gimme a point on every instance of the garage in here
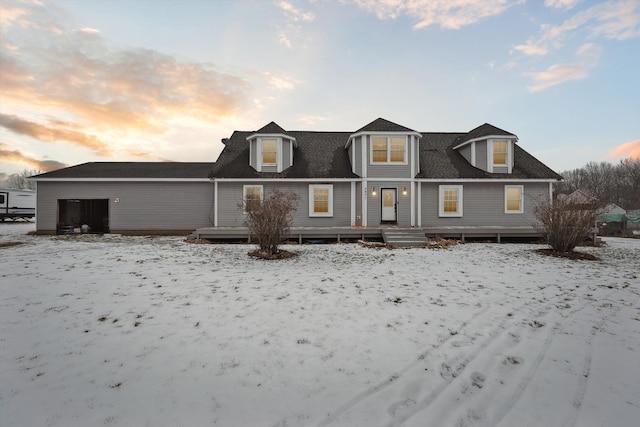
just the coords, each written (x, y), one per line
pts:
(83, 215)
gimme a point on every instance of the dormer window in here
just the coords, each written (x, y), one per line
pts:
(500, 153)
(388, 149)
(269, 151)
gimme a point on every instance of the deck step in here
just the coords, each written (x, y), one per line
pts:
(403, 237)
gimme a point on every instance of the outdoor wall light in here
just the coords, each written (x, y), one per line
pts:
(404, 191)
(373, 191)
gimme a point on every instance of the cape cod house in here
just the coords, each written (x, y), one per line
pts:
(477, 183)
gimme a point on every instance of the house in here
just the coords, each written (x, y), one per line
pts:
(477, 183)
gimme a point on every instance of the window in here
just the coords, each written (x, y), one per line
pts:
(450, 200)
(379, 149)
(252, 196)
(513, 199)
(269, 151)
(500, 152)
(2, 199)
(391, 149)
(321, 200)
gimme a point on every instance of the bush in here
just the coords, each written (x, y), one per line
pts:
(564, 224)
(269, 220)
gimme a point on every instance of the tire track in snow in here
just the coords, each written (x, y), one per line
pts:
(332, 417)
(408, 406)
(583, 380)
(531, 372)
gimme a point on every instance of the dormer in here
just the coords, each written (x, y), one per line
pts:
(384, 149)
(488, 148)
(271, 149)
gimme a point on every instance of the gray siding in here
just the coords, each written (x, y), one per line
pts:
(466, 152)
(501, 169)
(357, 158)
(388, 170)
(286, 153)
(481, 155)
(359, 203)
(483, 204)
(416, 159)
(374, 204)
(230, 203)
(141, 206)
(253, 153)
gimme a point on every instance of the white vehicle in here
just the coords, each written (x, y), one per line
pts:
(17, 204)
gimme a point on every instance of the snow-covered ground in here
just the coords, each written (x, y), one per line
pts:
(152, 331)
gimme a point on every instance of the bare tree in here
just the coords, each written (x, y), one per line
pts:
(19, 180)
(564, 223)
(269, 220)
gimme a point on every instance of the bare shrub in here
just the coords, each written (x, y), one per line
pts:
(269, 220)
(564, 224)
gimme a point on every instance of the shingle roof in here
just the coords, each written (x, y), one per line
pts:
(323, 155)
(272, 128)
(482, 131)
(438, 160)
(132, 170)
(318, 155)
(383, 125)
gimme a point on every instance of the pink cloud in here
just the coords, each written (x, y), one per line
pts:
(629, 149)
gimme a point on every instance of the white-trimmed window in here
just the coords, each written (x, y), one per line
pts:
(388, 149)
(513, 199)
(320, 200)
(269, 151)
(500, 153)
(251, 196)
(450, 200)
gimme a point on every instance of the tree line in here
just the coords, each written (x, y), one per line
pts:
(619, 184)
(19, 180)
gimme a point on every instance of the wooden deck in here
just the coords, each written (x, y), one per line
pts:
(302, 234)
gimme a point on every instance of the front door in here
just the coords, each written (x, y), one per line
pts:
(389, 213)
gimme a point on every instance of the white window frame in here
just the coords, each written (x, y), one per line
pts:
(312, 188)
(490, 151)
(506, 201)
(244, 195)
(277, 152)
(441, 191)
(389, 162)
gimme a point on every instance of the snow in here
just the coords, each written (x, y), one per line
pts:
(153, 331)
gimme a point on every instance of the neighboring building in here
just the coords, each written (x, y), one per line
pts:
(475, 183)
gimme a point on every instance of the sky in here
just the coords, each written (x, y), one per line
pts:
(166, 80)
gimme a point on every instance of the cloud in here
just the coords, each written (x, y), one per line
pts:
(588, 54)
(293, 28)
(561, 4)
(295, 13)
(15, 156)
(445, 13)
(79, 89)
(280, 82)
(615, 20)
(311, 120)
(629, 149)
(556, 74)
(60, 131)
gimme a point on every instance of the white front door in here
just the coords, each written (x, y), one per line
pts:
(389, 204)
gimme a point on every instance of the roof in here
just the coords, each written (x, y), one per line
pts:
(482, 131)
(323, 155)
(271, 128)
(318, 155)
(383, 125)
(439, 160)
(134, 170)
